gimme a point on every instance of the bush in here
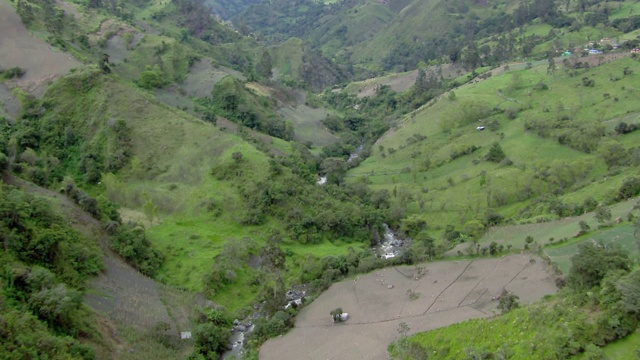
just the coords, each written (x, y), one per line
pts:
(210, 340)
(132, 244)
(629, 188)
(495, 153)
(511, 112)
(14, 72)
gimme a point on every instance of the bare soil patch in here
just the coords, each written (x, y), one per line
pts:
(447, 293)
(9, 104)
(42, 62)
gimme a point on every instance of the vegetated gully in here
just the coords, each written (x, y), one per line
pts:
(390, 246)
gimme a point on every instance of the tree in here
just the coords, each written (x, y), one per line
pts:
(56, 304)
(210, 339)
(422, 247)
(495, 153)
(151, 78)
(630, 187)
(335, 169)
(551, 69)
(592, 263)
(584, 227)
(613, 153)
(273, 261)
(237, 156)
(149, 208)
(104, 63)
(420, 85)
(265, 65)
(603, 214)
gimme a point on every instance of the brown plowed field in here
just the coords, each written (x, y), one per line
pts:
(447, 293)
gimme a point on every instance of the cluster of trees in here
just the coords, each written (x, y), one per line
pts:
(44, 265)
(44, 146)
(130, 241)
(309, 212)
(232, 100)
(41, 10)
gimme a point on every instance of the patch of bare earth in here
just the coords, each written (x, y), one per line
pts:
(9, 104)
(42, 62)
(441, 294)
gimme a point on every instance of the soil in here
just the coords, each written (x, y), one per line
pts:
(446, 293)
(18, 47)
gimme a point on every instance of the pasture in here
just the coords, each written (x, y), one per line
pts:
(445, 178)
(619, 236)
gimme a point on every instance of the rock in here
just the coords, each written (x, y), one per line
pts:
(389, 286)
(240, 328)
(236, 322)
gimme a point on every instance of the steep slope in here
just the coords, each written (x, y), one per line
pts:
(41, 61)
(557, 134)
(129, 301)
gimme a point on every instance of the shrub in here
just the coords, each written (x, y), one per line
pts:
(511, 112)
(588, 82)
(629, 188)
(14, 72)
(495, 154)
(132, 244)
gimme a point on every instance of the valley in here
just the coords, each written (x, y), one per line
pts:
(172, 171)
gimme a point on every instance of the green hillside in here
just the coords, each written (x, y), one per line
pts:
(556, 135)
(166, 172)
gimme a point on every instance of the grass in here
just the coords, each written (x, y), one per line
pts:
(521, 333)
(619, 236)
(191, 245)
(625, 348)
(451, 190)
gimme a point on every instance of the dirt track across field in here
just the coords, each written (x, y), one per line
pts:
(446, 293)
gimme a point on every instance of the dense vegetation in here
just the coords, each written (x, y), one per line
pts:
(45, 268)
(398, 35)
